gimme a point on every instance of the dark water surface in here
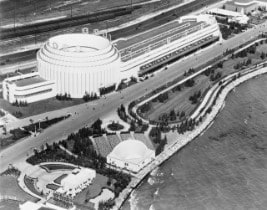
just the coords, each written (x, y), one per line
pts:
(225, 168)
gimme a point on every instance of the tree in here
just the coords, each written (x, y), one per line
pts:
(248, 62)
(172, 115)
(263, 56)
(182, 114)
(97, 125)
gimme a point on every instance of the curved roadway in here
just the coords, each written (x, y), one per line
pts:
(105, 106)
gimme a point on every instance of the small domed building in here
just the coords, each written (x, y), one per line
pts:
(131, 155)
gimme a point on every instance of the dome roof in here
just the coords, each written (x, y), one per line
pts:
(130, 151)
(78, 50)
(78, 42)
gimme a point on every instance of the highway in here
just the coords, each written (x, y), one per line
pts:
(88, 113)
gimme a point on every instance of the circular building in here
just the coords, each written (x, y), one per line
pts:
(79, 64)
(131, 155)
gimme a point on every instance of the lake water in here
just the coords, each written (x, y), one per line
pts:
(225, 168)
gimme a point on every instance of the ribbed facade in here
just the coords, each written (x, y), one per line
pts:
(79, 63)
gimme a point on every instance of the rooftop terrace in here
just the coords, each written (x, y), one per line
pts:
(155, 38)
(29, 81)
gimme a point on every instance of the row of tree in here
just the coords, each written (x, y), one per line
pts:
(89, 97)
(63, 97)
(20, 103)
(241, 64)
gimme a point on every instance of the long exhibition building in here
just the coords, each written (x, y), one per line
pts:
(88, 63)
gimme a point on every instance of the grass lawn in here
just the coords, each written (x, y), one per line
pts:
(52, 187)
(92, 190)
(52, 167)
(58, 180)
(30, 184)
(179, 100)
(10, 187)
(9, 205)
(39, 107)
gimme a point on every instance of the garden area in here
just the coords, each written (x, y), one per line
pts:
(178, 103)
(136, 124)
(85, 155)
(53, 167)
(229, 29)
(115, 126)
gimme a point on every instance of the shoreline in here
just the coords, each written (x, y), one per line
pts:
(175, 146)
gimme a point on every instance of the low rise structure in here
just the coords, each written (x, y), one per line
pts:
(75, 182)
(78, 64)
(245, 6)
(131, 155)
(230, 15)
(28, 88)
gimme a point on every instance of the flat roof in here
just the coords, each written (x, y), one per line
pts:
(29, 81)
(124, 43)
(153, 36)
(225, 12)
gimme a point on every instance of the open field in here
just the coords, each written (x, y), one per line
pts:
(179, 100)
(9, 205)
(39, 107)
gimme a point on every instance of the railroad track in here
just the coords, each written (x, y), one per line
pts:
(129, 31)
(52, 25)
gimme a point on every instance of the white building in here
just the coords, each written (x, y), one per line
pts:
(245, 6)
(76, 181)
(231, 15)
(141, 53)
(79, 63)
(131, 155)
(28, 88)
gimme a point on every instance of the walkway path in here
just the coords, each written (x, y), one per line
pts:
(172, 148)
(209, 93)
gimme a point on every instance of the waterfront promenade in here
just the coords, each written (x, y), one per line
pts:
(181, 140)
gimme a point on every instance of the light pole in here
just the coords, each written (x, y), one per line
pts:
(71, 11)
(15, 16)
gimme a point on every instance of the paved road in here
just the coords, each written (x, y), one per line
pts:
(104, 107)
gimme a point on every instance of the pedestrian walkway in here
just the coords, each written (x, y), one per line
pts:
(188, 136)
